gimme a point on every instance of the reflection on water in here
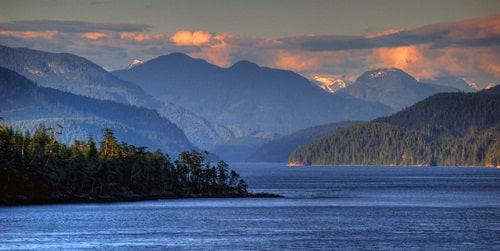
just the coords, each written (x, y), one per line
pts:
(324, 208)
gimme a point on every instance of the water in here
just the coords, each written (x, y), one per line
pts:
(325, 208)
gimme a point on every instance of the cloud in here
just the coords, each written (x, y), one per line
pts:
(295, 61)
(72, 26)
(191, 38)
(221, 58)
(108, 44)
(468, 48)
(383, 33)
(469, 33)
(473, 61)
(426, 61)
(483, 31)
(220, 49)
(94, 35)
(141, 36)
(400, 57)
(45, 34)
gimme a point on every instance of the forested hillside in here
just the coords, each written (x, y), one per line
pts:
(235, 142)
(36, 168)
(492, 90)
(451, 129)
(457, 113)
(71, 73)
(25, 105)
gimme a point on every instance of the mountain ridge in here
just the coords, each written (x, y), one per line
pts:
(246, 94)
(25, 103)
(392, 87)
(72, 73)
(447, 129)
(80, 79)
(233, 109)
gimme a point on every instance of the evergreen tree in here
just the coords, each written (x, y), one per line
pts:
(38, 168)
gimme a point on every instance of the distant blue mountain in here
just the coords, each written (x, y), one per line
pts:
(280, 148)
(246, 95)
(392, 87)
(74, 74)
(77, 75)
(25, 105)
(451, 81)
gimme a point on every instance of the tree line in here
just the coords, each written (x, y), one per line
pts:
(385, 144)
(446, 129)
(36, 168)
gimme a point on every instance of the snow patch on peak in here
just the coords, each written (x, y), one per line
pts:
(329, 83)
(380, 73)
(134, 63)
(33, 71)
(383, 74)
(376, 74)
(474, 85)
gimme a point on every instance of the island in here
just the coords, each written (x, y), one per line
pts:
(37, 169)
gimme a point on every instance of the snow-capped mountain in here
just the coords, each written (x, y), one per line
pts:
(392, 87)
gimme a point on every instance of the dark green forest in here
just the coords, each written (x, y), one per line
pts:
(36, 168)
(449, 129)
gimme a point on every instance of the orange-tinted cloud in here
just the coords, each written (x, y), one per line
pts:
(493, 69)
(467, 48)
(295, 61)
(418, 61)
(48, 34)
(140, 36)
(424, 61)
(218, 57)
(215, 48)
(191, 38)
(383, 33)
(467, 61)
(94, 35)
(400, 57)
(480, 28)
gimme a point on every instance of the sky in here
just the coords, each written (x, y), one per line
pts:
(316, 38)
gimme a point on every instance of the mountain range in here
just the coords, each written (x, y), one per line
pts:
(452, 81)
(245, 94)
(74, 74)
(229, 111)
(26, 105)
(332, 84)
(392, 87)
